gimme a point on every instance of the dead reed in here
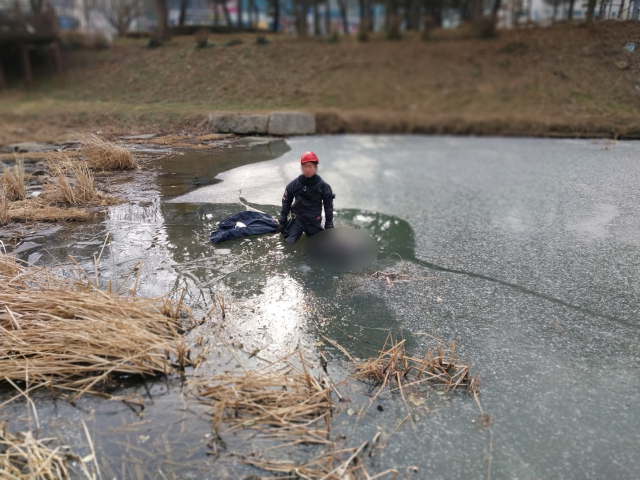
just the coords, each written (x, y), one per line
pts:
(71, 183)
(35, 210)
(437, 366)
(333, 464)
(12, 181)
(23, 456)
(285, 402)
(65, 333)
(104, 156)
(4, 207)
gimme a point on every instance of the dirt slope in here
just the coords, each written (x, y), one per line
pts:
(565, 80)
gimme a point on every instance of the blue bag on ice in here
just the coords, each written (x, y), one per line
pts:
(244, 224)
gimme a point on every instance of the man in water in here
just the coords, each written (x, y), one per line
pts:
(310, 192)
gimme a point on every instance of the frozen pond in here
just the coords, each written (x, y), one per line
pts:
(527, 249)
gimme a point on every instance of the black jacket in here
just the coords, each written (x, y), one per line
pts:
(309, 195)
(243, 224)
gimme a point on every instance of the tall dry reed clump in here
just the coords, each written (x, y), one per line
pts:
(12, 182)
(69, 184)
(72, 183)
(104, 156)
(65, 333)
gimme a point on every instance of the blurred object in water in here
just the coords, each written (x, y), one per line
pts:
(342, 249)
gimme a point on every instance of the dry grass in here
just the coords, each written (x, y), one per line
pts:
(72, 183)
(289, 400)
(66, 333)
(69, 184)
(282, 402)
(4, 207)
(35, 210)
(12, 181)
(24, 456)
(438, 366)
(9, 267)
(105, 156)
(334, 464)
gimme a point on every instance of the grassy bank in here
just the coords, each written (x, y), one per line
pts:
(566, 80)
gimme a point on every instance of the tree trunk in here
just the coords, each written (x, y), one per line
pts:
(464, 10)
(362, 7)
(240, 14)
(433, 9)
(36, 6)
(276, 15)
(602, 6)
(162, 27)
(327, 17)
(227, 15)
(301, 17)
(570, 12)
(591, 6)
(371, 12)
(495, 9)
(477, 10)
(316, 18)
(555, 11)
(183, 12)
(407, 14)
(621, 9)
(342, 5)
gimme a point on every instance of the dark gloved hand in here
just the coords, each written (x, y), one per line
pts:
(328, 225)
(282, 222)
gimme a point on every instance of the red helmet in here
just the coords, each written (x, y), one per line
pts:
(309, 157)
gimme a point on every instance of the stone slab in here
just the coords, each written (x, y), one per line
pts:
(27, 147)
(292, 123)
(147, 136)
(242, 124)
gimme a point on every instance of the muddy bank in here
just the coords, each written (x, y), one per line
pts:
(574, 126)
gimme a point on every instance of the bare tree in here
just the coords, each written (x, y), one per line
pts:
(342, 6)
(316, 18)
(621, 9)
(162, 26)
(225, 11)
(37, 6)
(300, 7)
(327, 18)
(183, 12)
(433, 9)
(495, 8)
(121, 13)
(570, 12)
(240, 14)
(275, 4)
(591, 6)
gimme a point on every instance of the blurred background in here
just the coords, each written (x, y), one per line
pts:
(130, 128)
(511, 67)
